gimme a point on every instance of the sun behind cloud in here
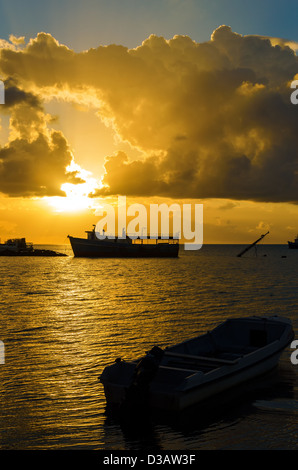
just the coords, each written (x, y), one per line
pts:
(208, 121)
(77, 195)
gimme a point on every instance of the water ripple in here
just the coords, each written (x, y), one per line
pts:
(64, 319)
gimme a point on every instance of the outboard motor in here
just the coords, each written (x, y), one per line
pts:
(145, 371)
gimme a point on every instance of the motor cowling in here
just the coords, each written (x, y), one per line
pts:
(144, 373)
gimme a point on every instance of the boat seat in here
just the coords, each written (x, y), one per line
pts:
(229, 355)
(237, 349)
(195, 366)
(205, 359)
(169, 376)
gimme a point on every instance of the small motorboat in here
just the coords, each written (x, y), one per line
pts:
(174, 378)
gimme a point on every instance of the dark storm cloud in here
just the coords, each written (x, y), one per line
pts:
(34, 168)
(15, 95)
(213, 119)
(34, 161)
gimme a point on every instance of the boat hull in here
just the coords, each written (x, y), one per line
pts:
(83, 248)
(177, 401)
(201, 393)
(175, 389)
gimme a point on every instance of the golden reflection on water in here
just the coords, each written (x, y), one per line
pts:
(64, 319)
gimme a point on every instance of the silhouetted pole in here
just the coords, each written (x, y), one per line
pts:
(253, 244)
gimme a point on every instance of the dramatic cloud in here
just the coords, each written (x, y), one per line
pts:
(17, 40)
(212, 120)
(35, 168)
(34, 162)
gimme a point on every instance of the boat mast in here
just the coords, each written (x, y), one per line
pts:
(253, 244)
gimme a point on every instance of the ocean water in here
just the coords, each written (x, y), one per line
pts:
(64, 319)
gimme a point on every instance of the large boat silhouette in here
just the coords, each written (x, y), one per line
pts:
(123, 247)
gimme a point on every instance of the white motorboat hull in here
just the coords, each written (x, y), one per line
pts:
(175, 387)
(205, 391)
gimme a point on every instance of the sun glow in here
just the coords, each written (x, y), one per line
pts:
(77, 195)
(76, 198)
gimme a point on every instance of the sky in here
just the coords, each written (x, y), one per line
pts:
(161, 101)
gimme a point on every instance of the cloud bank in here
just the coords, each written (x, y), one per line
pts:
(212, 119)
(34, 162)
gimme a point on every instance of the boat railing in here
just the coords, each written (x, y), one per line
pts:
(91, 235)
(156, 240)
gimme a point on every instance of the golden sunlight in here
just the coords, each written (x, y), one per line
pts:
(76, 198)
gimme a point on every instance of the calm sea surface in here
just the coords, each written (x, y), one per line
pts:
(64, 319)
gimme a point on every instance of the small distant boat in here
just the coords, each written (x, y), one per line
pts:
(188, 373)
(19, 247)
(294, 244)
(123, 247)
(15, 246)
